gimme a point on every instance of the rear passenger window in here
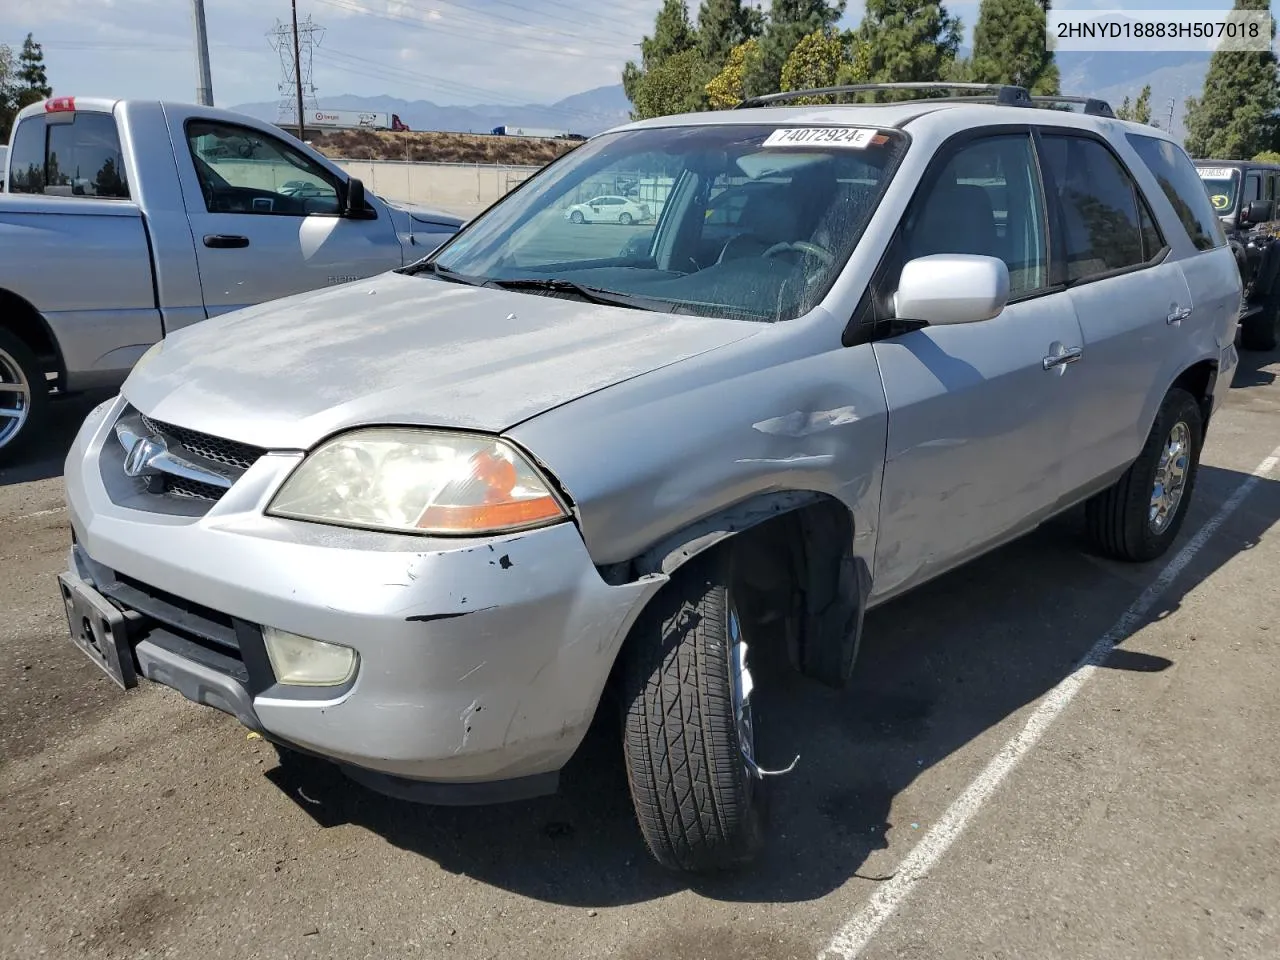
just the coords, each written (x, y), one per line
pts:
(73, 155)
(1102, 212)
(1182, 185)
(985, 201)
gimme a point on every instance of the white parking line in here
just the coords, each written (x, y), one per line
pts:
(852, 938)
(37, 513)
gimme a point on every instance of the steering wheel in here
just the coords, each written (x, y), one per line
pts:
(801, 246)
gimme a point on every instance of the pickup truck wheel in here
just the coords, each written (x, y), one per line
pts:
(24, 398)
(1261, 331)
(689, 742)
(1139, 516)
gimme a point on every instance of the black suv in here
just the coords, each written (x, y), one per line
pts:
(1244, 195)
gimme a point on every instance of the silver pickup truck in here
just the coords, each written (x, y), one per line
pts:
(125, 220)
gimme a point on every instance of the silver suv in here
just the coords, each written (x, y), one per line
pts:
(420, 524)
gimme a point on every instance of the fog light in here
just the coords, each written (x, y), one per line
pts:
(306, 662)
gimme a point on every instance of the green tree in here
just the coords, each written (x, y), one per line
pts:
(724, 25)
(815, 62)
(1009, 46)
(8, 92)
(789, 22)
(31, 72)
(907, 40)
(648, 83)
(727, 88)
(1234, 117)
(1140, 110)
(1267, 156)
(673, 86)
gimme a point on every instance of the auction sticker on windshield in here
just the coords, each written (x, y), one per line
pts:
(855, 137)
(1215, 173)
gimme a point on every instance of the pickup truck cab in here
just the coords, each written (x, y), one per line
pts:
(1244, 194)
(126, 220)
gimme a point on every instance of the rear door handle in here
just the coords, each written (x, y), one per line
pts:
(1178, 314)
(1068, 355)
(224, 241)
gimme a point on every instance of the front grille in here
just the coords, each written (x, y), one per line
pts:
(230, 453)
(191, 489)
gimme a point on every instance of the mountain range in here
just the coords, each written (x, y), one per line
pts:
(1111, 76)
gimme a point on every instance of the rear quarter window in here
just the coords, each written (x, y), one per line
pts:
(1182, 185)
(75, 155)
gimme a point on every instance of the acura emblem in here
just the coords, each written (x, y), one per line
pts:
(140, 459)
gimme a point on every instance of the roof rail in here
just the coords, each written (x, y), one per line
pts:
(1004, 93)
(1092, 106)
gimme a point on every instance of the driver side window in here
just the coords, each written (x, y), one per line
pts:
(986, 200)
(242, 170)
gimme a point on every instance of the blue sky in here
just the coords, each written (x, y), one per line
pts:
(447, 51)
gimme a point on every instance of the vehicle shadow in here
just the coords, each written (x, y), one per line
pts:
(46, 455)
(1250, 372)
(938, 669)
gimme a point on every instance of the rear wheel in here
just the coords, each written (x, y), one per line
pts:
(1138, 517)
(690, 740)
(625, 219)
(24, 396)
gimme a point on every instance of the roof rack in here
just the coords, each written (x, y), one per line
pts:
(1004, 93)
(998, 93)
(1092, 105)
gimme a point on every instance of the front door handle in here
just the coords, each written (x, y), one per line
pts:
(1178, 314)
(1068, 355)
(225, 241)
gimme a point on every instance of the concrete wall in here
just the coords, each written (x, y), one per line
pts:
(460, 188)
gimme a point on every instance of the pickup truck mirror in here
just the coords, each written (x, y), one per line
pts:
(1256, 211)
(354, 206)
(948, 288)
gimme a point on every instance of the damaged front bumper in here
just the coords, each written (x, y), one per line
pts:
(481, 661)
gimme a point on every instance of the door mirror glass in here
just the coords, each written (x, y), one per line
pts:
(948, 288)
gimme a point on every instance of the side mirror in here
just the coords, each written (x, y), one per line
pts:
(1256, 211)
(354, 206)
(948, 288)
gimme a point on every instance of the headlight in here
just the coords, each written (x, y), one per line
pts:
(418, 481)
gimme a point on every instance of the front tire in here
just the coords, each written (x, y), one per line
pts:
(1139, 516)
(24, 397)
(700, 806)
(576, 217)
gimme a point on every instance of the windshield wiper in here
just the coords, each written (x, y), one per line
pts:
(591, 294)
(444, 273)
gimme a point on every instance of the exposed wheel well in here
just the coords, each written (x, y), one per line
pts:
(792, 553)
(23, 320)
(1199, 381)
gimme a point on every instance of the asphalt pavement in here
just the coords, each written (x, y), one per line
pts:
(975, 794)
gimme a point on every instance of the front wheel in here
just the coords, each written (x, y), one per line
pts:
(576, 217)
(689, 741)
(24, 396)
(1139, 516)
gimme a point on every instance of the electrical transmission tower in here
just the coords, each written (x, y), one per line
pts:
(295, 42)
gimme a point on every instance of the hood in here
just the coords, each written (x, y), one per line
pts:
(425, 215)
(397, 349)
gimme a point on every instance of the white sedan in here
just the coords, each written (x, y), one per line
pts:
(608, 210)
